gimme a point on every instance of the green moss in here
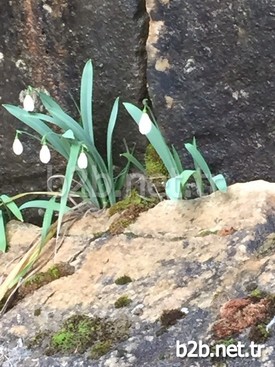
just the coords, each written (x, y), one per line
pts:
(268, 246)
(122, 301)
(120, 206)
(125, 279)
(130, 208)
(100, 349)
(170, 317)
(77, 334)
(81, 333)
(258, 333)
(206, 232)
(257, 293)
(153, 164)
(227, 341)
(37, 312)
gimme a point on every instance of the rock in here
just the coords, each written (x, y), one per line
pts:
(211, 75)
(47, 45)
(194, 278)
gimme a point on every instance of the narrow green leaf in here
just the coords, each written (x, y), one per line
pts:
(12, 207)
(200, 161)
(111, 126)
(70, 169)
(220, 182)
(175, 185)
(134, 161)
(177, 159)
(3, 239)
(47, 219)
(86, 93)
(43, 204)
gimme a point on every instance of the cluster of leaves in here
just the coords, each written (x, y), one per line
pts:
(99, 183)
(179, 176)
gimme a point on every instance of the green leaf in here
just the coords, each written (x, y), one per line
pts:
(47, 219)
(156, 139)
(86, 92)
(220, 182)
(68, 134)
(70, 169)
(200, 161)
(175, 185)
(134, 161)
(111, 126)
(62, 119)
(3, 239)
(177, 159)
(43, 204)
(10, 204)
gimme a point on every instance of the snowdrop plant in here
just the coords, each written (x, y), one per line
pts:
(176, 184)
(76, 144)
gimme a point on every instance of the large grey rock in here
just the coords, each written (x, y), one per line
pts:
(46, 44)
(211, 73)
(201, 256)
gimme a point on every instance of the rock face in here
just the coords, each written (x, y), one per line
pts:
(204, 270)
(46, 45)
(211, 74)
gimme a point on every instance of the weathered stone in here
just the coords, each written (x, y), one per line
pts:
(211, 75)
(46, 44)
(213, 281)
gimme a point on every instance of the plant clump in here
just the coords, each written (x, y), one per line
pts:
(40, 279)
(81, 333)
(125, 279)
(122, 301)
(130, 208)
(170, 317)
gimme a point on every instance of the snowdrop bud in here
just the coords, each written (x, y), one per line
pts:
(82, 161)
(45, 154)
(17, 146)
(28, 103)
(145, 124)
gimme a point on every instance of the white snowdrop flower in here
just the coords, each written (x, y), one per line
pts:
(17, 146)
(145, 124)
(82, 161)
(45, 154)
(28, 103)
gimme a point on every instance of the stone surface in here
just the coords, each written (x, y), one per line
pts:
(198, 256)
(211, 74)
(46, 44)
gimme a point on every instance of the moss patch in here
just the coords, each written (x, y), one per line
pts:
(81, 333)
(40, 279)
(259, 334)
(170, 317)
(130, 208)
(125, 279)
(122, 301)
(100, 349)
(153, 163)
(268, 246)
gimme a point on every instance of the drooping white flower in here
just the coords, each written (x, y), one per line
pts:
(145, 124)
(28, 103)
(45, 154)
(17, 146)
(82, 161)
